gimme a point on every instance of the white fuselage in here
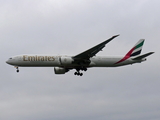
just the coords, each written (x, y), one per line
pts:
(66, 61)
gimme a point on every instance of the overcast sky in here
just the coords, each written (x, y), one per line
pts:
(68, 27)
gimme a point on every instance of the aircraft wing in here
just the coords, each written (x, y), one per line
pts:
(93, 51)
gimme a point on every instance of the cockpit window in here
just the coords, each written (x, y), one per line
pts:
(10, 58)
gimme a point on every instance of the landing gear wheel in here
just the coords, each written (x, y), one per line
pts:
(78, 73)
(85, 69)
(17, 71)
(81, 74)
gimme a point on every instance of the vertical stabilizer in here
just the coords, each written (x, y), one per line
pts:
(136, 50)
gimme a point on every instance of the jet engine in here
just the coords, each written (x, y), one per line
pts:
(65, 60)
(59, 70)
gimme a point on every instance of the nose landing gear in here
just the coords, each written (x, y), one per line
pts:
(17, 69)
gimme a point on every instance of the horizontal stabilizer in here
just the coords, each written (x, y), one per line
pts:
(142, 56)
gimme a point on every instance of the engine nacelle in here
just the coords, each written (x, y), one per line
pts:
(65, 60)
(59, 70)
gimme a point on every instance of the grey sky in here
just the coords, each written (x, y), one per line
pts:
(70, 27)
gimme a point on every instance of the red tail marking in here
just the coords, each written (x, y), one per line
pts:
(126, 56)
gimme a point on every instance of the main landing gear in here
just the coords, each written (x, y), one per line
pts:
(17, 69)
(78, 71)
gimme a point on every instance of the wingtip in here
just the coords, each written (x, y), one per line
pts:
(116, 35)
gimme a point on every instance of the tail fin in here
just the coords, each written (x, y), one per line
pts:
(136, 50)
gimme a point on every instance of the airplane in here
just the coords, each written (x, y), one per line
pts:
(82, 61)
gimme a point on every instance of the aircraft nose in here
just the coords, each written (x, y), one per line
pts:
(11, 61)
(7, 61)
